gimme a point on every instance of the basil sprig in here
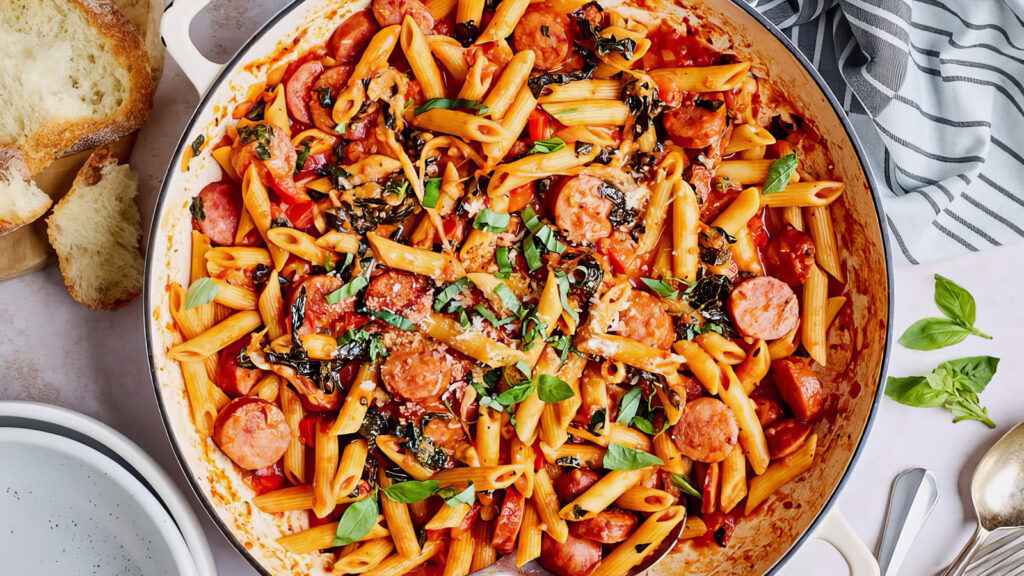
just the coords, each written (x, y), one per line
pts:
(661, 288)
(954, 385)
(628, 406)
(357, 521)
(619, 457)
(452, 104)
(202, 291)
(779, 174)
(931, 333)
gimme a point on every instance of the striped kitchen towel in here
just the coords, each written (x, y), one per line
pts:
(935, 91)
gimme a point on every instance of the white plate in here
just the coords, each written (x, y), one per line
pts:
(67, 509)
(117, 447)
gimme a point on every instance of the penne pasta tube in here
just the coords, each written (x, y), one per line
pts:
(703, 78)
(751, 433)
(441, 8)
(350, 468)
(399, 565)
(745, 253)
(601, 494)
(396, 514)
(469, 12)
(832, 308)
(357, 400)
(477, 81)
(734, 480)
(257, 204)
(721, 348)
(449, 53)
(666, 449)
(365, 556)
(488, 436)
(534, 167)
(442, 267)
(320, 537)
(482, 477)
(512, 79)
(483, 553)
(529, 537)
(700, 363)
(343, 242)
(645, 540)
(630, 352)
(747, 172)
(694, 527)
(545, 503)
(285, 499)
(589, 112)
(588, 455)
(826, 252)
(467, 126)
(685, 221)
(417, 53)
(643, 499)
(786, 345)
(746, 136)
(325, 467)
(819, 193)
(460, 555)
(217, 337)
(472, 343)
(300, 244)
(513, 122)
(812, 315)
(392, 448)
(506, 16)
(739, 212)
(448, 517)
(755, 366)
(234, 297)
(295, 455)
(238, 257)
(780, 473)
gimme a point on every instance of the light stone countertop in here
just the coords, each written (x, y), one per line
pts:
(54, 350)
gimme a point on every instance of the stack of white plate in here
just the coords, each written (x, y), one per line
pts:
(77, 497)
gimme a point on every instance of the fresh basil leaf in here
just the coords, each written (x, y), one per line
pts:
(431, 193)
(779, 174)
(524, 368)
(973, 372)
(531, 220)
(489, 221)
(197, 144)
(357, 521)
(532, 254)
(684, 485)
(644, 425)
(933, 333)
(553, 389)
(547, 146)
(546, 235)
(450, 291)
(412, 491)
(563, 294)
(661, 288)
(467, 496)
(619, 457)
(914, 391)
(302, 155)
(954, 301)
(202, 291)
(394, 319)
(490, 317)
(504, 265)
(452, 104)
(347, 291)
(508, 299)
(628, 406)
(516, 394)
(969, 410)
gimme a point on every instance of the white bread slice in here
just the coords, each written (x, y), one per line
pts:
(70, 71)
(96, 230)
(21, 202)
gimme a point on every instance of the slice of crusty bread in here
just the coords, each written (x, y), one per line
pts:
(96, 229)
(70, 70)
(21, 202)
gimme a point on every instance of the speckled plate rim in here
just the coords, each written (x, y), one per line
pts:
(118, 448)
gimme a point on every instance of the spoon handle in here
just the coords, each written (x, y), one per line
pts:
(959, 566)
(914, 494)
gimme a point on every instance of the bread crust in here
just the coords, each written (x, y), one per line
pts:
(44, 146)
(13, 166)
(90, 174)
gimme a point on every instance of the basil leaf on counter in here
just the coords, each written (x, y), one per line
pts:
(619, 457)
(412, 491)
(779, 174)
(357, 521)
(202, 291)
(953, 385)
(933, 333)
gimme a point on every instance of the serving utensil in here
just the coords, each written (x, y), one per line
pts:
(914, 494)
(506, 566)
(997, 492)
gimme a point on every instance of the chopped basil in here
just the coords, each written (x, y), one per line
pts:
(411, 491)
(684, 485)
(524, 368)
(202, 291)
(553, 389)
(262, 152)
(662, 288)
(508, 299)
(467, 497)
(489, 221)
(450, 291)
(256, 133)
(531, 253)
(565, 112)
(452, 104)
(547, 146)
(628, 406)
(563, 294)
(357, 521)
(302, 155)
(431, 193)
(619, 457)
(197, 144)
(779, 174)
(347, 291)
(504, 266)
(490, 317)
(393, 319)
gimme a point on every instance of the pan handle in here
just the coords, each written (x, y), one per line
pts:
(174, 32)
(835, 530)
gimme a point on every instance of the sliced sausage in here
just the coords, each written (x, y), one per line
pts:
(786, 437)
(768, 411)
(322, 317)
(297, 90)
(391, 12)
(548, 33)
(798, 386)
(232, 378)
(707, 430)
(419, 370)
(333, 80)
(694, 389)
(571, 484)
(581, 211)
(607, 527)
(252, 432)
(763, 307)
(350, 38)
(697, 122)
(646, 320)
(789, 256)
(266, 143)
(576, 557)
(222, 209)
(506, 528)
(409, 295)
(446, 433)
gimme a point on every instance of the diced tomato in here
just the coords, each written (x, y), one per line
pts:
(267, 479)
(307, 430)
(301, 215)
(520, 197)
(467, 521)
(509, 520)
(671, 49)
(539, 124)
(622, 251)
(712, 484)
(757, 230)
(284, 187)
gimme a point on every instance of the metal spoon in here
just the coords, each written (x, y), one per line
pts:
(997, 491)
(506, 566)
(914, 494)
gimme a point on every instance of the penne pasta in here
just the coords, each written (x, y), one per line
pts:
(703, 78)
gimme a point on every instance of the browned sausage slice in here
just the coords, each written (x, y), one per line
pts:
(697, 122)
(577, 557)
(607, 527)
(789, 256)
(252, 432)
(548, 33)
(581, 211)
(786, 437)
(646, 320)
(333, 80)
(297, 89)
(419, 370)
(322, 317)
(768, 411)
(799, 387)
(391, 12)
(350, 38)
(222, 209)
(763, 307)
(232, 378)
(707, 430)
(575, 482)
(404, 293)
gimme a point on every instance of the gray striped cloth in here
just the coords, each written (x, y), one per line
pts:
(935, 91)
